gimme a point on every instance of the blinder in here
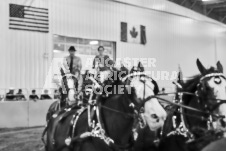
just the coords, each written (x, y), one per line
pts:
(140, 109)
(202, 88)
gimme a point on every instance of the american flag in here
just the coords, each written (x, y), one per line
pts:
(28, 18)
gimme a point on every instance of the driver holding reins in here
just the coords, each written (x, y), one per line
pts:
(73, 65)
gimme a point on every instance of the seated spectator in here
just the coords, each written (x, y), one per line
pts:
(10, 95)
(45, 96)
(1, 97)
(163, 90)
(20, 96)
(56, 94)
(33, 96)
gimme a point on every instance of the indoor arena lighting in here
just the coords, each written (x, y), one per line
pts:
(94, 42)
(57, 51)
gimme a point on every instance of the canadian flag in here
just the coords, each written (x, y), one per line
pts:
(133, 33)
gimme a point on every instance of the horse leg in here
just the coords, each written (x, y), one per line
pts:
(49, 131)
(43, 134)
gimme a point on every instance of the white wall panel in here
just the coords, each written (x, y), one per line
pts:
(24, 65)
(221, 48)
(171, 38)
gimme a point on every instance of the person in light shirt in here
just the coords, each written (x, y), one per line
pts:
(101, 61)
(72, 62)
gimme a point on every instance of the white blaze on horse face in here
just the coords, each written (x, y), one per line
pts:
(140, 87)
(71, 96)
(104, 75)
(71, 83)
(218, 86)
(154, 114)
(71, 86)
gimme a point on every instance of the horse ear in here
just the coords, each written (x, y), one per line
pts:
(201, 68)
(140, 66)
(180, 76)
(219, 66)
(62, 71)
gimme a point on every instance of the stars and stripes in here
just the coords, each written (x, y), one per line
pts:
(28, 18)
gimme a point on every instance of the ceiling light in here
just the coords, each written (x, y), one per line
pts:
(94, 42)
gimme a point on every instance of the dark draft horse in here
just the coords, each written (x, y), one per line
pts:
(205, 121)
(67, 91)
(117, 112)
(69, 85)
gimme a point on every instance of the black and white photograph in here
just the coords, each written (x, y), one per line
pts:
(113, 75)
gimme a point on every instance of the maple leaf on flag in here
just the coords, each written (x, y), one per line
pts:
(133, 32)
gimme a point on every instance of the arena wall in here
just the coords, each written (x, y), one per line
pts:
(23, 113)
(175, 36)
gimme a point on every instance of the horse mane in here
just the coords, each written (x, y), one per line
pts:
(191, 87)
(117, 82)
(156, 87)
(191, 84)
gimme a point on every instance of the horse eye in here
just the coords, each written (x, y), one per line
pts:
(217, 80)
(154, 116)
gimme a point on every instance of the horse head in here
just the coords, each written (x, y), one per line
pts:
(69, 85)
(208, 95)
(145, 87)
(211, 90)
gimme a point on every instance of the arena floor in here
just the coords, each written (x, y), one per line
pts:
(21, 139)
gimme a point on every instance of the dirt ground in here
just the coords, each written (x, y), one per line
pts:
(21, 139)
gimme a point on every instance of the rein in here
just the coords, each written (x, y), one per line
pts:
(184, 106)
(116, 111)
(189, 108)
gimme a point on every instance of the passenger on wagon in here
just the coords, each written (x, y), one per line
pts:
(45, 96)
(33, 96)
(103, 64)
(101, 61)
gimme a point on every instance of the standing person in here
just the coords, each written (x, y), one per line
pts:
(72, 62)
(73, 65)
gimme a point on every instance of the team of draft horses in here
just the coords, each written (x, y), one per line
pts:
(136, 117)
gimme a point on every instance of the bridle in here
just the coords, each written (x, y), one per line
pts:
(134, 115)
(140, 109)
(216, 102)
(209, 116)
(66, 77)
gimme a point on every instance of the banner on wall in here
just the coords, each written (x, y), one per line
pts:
(133, 33)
